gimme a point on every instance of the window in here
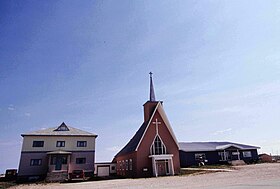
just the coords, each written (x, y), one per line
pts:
(247, 154)
(60, 144)
(223, 156)
(80, 160)
(120, 165)
(62, 159)
(35, 162)
(113, 168)
(81, 143)
(38, 144)
(158, 147)
(126, 164)
(200, 157)
(62, 127)
(130, 164)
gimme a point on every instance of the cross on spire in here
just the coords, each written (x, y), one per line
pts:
(156, 123)
(152, 91)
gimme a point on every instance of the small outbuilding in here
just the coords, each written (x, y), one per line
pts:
(105, 169)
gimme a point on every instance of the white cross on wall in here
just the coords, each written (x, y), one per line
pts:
(157, 123)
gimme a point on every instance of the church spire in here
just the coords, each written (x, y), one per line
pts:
(152, 91)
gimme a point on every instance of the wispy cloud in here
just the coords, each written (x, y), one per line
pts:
(27, 114)
(219, 132)
(11, 107)
(113, 148)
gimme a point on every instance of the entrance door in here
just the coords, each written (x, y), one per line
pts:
(58, 163)
(161, 167)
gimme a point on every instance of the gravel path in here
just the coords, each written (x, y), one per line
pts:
(248, 176)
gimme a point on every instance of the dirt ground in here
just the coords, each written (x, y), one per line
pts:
(250, 176)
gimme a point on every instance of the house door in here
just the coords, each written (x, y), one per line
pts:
(161, 168)
(58, 163)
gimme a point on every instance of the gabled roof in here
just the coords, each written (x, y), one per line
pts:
(165, 119)
(134, 143)
(62, 130)
(212, 146)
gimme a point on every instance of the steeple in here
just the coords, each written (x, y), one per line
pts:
(150, 105)
(152, 91)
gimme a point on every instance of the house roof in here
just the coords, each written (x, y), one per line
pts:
(134, 143)
(62, 130)
(212, 146)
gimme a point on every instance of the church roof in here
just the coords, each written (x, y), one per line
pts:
(212, 146)
(134, 143)
(62, 130)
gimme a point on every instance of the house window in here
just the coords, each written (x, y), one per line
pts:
(223, 156)
(81, 143)
(247, 154)
(60, 144)
(80, 160)
(35, 162)
(62, 128)
(62, 159)
(157, 147)
(200, 157)
(130, 164)
(113, 168)
(38, 144)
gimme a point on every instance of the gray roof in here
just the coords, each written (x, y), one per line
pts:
(132, 144)
(55, 131)
(211, 146)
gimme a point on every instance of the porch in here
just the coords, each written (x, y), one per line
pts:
(162, 164)
(58, 165)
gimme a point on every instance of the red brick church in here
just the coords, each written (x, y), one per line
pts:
(153, 150)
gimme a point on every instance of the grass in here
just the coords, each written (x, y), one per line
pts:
(4, 185)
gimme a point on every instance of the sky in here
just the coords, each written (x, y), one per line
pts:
(216, 67)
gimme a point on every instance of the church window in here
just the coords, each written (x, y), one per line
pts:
(126, 164)
(158, 147)
(130, 164)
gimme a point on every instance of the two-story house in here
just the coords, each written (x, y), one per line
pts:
(56, 152)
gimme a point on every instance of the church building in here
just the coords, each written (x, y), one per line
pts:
(153, 150)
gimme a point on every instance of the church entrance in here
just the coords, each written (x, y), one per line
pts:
(162, 165)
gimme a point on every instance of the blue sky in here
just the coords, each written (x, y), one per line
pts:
(216, 66)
